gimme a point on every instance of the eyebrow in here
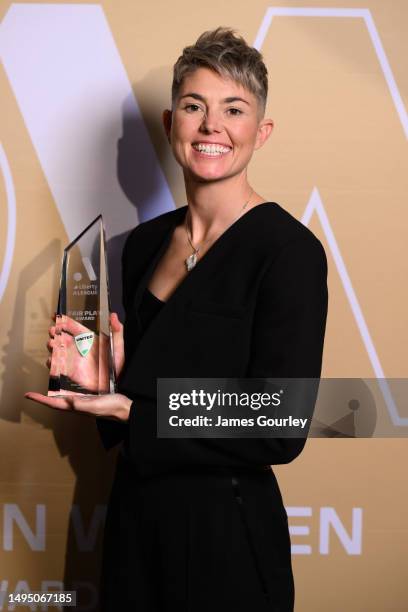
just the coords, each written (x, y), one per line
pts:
(197, 96)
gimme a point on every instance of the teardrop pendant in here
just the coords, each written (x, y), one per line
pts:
(191, 261)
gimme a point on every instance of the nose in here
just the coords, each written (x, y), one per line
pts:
(211, 122)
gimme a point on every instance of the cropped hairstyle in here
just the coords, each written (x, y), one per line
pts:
(227, 54)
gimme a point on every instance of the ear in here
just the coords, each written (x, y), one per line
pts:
(167, 119)
(265, 128)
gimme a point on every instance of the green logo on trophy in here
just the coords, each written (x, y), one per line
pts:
(84, 343)
(82, 356)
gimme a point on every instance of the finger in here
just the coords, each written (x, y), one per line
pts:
(54, 364)
(116, 325)
(50, 345)
(60, 403)
(71, 326)
(51, 331)
(118, 342)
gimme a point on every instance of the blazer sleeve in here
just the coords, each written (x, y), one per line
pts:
(290, 324)
(287, 341)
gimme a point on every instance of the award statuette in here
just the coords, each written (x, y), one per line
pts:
(82, 356)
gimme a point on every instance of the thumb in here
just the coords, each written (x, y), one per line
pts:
(116, 325)
(118, 342)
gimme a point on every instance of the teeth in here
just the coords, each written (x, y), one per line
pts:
(211, 149)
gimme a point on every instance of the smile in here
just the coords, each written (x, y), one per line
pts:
(211, 150)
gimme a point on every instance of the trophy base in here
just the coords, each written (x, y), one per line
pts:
(62, 386)
(81, 395)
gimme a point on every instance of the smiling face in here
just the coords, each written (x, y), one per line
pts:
(214, 127)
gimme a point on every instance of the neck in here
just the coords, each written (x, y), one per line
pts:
(212, 206)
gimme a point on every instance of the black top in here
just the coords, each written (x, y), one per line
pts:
(254, 306)
(149, 307)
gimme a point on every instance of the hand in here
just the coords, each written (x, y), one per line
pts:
(113, 406)
(87, 372)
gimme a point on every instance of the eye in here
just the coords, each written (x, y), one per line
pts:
(191, 108)
(236, 111)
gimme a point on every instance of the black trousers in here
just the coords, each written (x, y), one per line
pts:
(196, 541)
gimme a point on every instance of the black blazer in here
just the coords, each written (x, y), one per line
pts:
(255, 305)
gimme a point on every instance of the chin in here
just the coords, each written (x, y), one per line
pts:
(208, 178)
(208, 175)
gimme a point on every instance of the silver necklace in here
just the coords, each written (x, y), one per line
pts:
(192, 259)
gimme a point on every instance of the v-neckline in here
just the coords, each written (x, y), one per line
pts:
(178, 220)
(153, 296)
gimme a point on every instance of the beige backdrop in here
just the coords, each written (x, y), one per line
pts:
(339, 138)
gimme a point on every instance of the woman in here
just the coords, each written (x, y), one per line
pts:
(229, 285)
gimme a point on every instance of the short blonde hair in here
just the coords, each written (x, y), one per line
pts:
(227, 54)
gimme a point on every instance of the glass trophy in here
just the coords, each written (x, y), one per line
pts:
(82, 361)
